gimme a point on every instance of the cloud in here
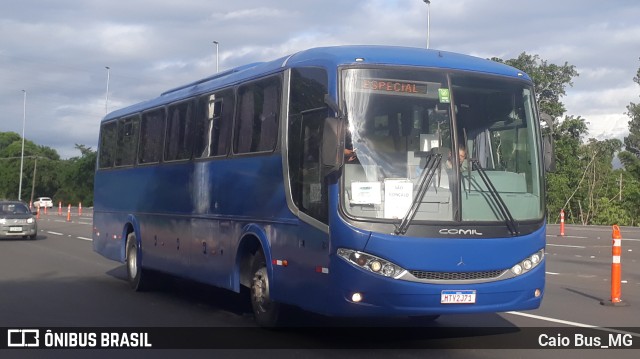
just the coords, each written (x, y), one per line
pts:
(248, 14)
(124, 40)
(58, 51)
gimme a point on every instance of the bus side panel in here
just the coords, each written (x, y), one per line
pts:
(107, 235)
(210, 258)
(227, 196)
(304, 281)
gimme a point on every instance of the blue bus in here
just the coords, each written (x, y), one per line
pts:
(346, 181)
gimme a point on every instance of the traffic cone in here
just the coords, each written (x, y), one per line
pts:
(69, 213)
(616, 270)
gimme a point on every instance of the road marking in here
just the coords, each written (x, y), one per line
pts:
(555, 235)
(552, 273)
(56, 233)
(575, 324)
(564, 245)
(586, 276)
(84, 238)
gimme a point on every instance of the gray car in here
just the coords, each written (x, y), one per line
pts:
(16, 220)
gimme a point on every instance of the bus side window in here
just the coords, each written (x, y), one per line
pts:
(179, 131)
(257, 122)
(214, 118)
(246, 119)
(108, 136)
(151, 136)
(127, 142)
(306, 122)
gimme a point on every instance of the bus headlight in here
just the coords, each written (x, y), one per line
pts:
(528, 263)
(371, 263)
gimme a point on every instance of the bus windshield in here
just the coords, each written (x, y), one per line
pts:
(477, 125)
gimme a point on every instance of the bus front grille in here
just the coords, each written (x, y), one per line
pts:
(452, 276)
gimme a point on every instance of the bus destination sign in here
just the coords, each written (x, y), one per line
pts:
(398, 87)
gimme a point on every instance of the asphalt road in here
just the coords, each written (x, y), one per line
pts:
(58, 281)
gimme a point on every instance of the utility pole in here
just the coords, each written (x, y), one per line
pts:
(217, 53)
(620, 191)
(428, 2)
(106, 100)
(24, 120)
(33, 182)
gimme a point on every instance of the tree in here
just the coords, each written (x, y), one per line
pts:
(68, 181)
(550, 81)
(563, 185)
(77, 177)
(631, 156)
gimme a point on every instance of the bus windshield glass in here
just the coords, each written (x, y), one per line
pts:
(399, 120)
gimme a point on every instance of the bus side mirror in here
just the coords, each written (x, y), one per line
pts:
(332, 147)
(548, 153)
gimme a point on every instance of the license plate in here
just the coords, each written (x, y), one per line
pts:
(15, 229)
(458, 296)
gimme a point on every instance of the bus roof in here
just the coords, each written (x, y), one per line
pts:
(330, 57)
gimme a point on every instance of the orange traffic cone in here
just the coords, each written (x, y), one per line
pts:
(616, 270)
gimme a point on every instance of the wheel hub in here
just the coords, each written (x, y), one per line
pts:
(260, 290)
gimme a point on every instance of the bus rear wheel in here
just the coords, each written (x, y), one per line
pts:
(267, 312)
(138, 279)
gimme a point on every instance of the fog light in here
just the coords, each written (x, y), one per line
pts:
(356, 297)
(537, 293)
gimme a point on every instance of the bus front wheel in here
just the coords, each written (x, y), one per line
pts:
(267, 312)
(135, 275)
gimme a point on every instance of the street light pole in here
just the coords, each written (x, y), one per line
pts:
(106, 101)
(24, 120)
(428, 20)
(217, 57)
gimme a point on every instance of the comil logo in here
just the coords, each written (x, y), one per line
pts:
(23, 338)
(466, 232)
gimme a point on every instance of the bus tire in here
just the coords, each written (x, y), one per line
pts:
(137, 278)
(267, 312)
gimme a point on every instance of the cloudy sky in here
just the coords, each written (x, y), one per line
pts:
(57, 50)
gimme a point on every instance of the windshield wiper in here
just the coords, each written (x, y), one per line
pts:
(511, 223)
(430, 168)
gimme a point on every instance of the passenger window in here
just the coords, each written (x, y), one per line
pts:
(127, 141)
(257, 121)
(108, 136)
(151, 136)
(179, 131)
(213, 124)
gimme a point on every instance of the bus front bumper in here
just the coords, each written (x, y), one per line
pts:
(382, 296)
